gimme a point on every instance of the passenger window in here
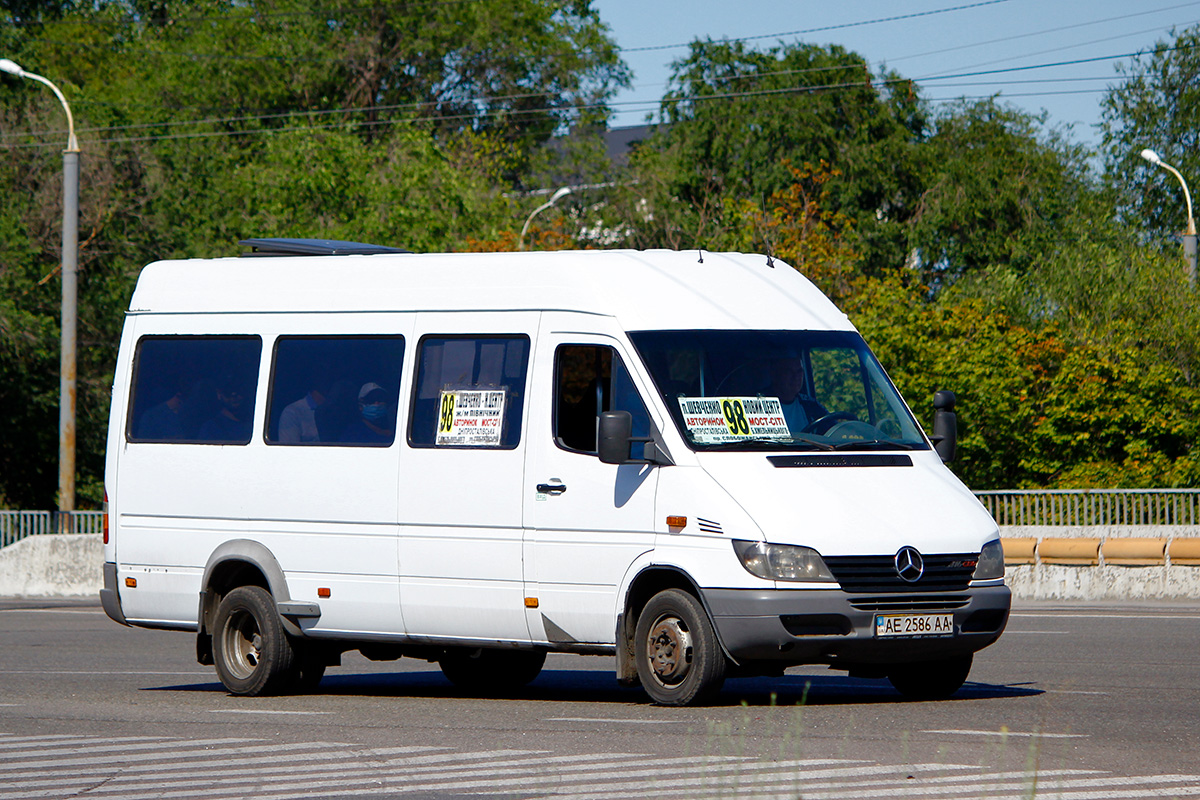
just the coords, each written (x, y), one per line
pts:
(334, 390)
(469, 392)
(194, 389)
(589, 380)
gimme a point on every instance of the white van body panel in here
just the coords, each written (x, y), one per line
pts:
(460, 510)
(641, 290)
(580, 543)
(855, 510)
(179, 503)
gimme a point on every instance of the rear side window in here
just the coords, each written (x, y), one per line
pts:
(334, 390)
(195, 389)
(469, 392)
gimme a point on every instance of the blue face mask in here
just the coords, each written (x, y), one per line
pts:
(374, 412)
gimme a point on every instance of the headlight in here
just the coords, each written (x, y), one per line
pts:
(782, 562)
(991, 562)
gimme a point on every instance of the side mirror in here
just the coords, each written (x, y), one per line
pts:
(945, 425)
(615, 431)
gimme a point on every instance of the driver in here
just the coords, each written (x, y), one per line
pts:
(788, 383)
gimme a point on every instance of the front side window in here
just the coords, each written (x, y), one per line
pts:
(334, 390)
(194, 389)
(470, 391)
(589, 380)
(755, 390)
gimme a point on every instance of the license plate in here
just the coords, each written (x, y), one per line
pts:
(914, 625)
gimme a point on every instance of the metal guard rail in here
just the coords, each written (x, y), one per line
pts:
(1092, 507)
(16, 525)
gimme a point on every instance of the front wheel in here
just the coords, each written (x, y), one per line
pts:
(251, 650)
(679, 660)
(931, 680)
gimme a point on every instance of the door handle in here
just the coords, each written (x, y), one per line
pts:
(551, 488)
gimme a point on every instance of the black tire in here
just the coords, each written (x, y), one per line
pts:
(253, 654)
(679, 660)
(931, 680)
(486, 670)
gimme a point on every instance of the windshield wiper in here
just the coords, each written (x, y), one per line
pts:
(792, 443)
(873, 444)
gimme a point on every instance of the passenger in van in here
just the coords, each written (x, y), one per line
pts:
(298, 421)
(233, 421)
(163, 422)
(374, 423)
(788, 383)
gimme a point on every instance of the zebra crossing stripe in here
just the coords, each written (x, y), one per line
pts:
(123, 781)
(174, 765)
(150, 768)
(395, 777)
(55, 740)
(64, 748)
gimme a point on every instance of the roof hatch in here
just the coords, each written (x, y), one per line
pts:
(313, 247)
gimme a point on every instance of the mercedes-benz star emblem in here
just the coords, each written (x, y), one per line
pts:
(909, 564)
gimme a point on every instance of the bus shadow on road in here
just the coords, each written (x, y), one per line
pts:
(596, 686)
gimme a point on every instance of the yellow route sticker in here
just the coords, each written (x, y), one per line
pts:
(712, 420)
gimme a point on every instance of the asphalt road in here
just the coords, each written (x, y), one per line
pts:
(1074, 702)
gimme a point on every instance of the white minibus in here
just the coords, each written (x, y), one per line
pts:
(689, 460)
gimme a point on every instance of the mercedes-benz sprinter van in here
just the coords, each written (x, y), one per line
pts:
(691, 461)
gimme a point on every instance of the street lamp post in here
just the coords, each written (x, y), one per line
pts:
(70, 254)
(554, 198)
(1189, 236)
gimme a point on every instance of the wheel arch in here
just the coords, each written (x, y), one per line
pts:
(240, 562)
(649, 581)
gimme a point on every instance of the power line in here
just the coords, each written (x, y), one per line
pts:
(821, 29)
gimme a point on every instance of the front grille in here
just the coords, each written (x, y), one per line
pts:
(912, 602)
(943, 573)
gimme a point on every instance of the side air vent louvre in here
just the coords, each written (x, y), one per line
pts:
(708, 526)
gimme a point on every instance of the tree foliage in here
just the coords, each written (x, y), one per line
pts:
(971, 243)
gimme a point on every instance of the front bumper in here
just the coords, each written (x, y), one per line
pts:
(831, 626)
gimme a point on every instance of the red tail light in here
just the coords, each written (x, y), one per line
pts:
(106, 516)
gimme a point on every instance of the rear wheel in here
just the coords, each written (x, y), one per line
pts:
(489, 670)
(931, 680)
(679, 660)
(252, 652)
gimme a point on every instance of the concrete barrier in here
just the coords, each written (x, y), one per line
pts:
(1095, 562)
(52, 565)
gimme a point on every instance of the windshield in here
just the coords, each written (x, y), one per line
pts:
(763, 390)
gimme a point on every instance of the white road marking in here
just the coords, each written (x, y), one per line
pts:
(260, 711)
(67, 747)
(162, 768)
(1035, 734)
(177, 756)
(193, 673)
(1074, 691)
(617, 719)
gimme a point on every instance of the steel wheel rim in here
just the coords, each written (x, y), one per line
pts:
(669, 650)
(243, 644)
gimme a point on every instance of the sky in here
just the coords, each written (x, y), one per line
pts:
(934, 42)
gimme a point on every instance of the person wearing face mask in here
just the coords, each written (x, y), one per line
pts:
(374, 423)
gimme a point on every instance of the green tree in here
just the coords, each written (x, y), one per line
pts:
(1156, 106)
(735, 118)
(998, 192)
